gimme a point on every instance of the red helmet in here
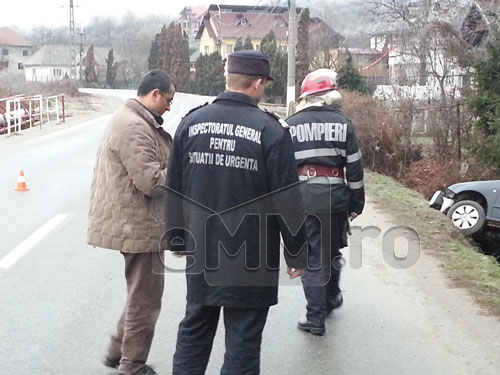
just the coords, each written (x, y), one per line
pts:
(318, 81)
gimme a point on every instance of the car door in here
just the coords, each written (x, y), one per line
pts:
(494, 196)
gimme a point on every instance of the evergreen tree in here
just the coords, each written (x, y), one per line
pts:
(163, 45)
(268, 44)
(216, 74)
(90, 66)
(302, 61)
(111, 69)
(179, 59)
(275, 89)
(279, 72)
(485, 105)
(210, 74)
(154, 53)
(238, 46)
(350, 79)
(247, 44)
(170, 52)
(201, 73)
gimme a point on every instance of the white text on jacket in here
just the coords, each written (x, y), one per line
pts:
(319, 131)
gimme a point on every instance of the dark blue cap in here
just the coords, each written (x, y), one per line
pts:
(249, 62)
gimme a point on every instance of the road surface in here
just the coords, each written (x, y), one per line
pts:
(60, 298)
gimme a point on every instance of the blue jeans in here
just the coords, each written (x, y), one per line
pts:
(243, 339)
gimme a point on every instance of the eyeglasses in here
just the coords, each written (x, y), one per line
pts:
(169, 100)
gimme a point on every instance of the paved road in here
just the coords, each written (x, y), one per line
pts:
(60, 300)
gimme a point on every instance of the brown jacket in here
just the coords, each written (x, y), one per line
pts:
(132, 158)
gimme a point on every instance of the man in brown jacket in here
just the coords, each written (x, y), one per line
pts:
(131, 160)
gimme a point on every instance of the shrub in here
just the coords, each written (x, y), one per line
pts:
(381, 137)
(428, 175)
(14, 86)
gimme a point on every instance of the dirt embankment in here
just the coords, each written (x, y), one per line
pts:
(87, 107)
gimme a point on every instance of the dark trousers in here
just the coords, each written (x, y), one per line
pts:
(135, 331)
(322, 275)
(243, 339)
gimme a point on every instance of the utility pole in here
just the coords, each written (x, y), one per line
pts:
(292, 41)
(82, 36)
(72, 38)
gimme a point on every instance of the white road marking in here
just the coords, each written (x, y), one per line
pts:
(16, 254)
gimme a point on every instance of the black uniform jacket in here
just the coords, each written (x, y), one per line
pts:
(325, 136)
(231, 172)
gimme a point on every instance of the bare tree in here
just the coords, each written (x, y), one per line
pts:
(101, 30)
(323, 46)
(428, 58)
(325, 39)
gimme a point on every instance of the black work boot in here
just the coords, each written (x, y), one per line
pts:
(316, 328)
(110, 362)
(334, 298)
(146, 370)
(334, 303)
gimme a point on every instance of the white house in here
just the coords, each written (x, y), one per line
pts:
(50, 63)
(14, 52)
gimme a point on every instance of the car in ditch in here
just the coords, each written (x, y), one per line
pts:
(471, 206)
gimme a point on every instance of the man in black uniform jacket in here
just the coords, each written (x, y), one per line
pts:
(327, 154)
(232, 165)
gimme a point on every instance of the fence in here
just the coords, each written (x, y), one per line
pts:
(55, 106)
(21, 112)
(4, 118)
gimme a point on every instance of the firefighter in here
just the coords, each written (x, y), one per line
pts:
(331, 166)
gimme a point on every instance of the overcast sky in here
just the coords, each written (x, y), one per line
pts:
(30, 13)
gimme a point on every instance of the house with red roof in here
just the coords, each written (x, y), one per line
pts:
(15, 50)
(223, 25)
(191, 18)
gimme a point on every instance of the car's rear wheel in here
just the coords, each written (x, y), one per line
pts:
(467, 216)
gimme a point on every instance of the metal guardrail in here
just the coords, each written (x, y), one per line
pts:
(55, 105)
(21, 112)
(3, 108)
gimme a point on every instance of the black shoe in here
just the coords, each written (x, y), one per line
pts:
(110, 362)
(334, 303)
(146, 370)
(316, 328)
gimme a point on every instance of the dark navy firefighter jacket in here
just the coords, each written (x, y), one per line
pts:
(325, 136)
(232, 190)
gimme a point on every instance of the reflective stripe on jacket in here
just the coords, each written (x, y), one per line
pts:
(325, 136)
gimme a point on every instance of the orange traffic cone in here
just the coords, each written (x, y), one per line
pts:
(21, 182)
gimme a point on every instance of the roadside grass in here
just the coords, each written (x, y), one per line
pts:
(461, 259)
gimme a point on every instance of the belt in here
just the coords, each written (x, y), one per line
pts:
(313, 170)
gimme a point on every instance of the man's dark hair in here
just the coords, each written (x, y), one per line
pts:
(237, 81)
(155, 79)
